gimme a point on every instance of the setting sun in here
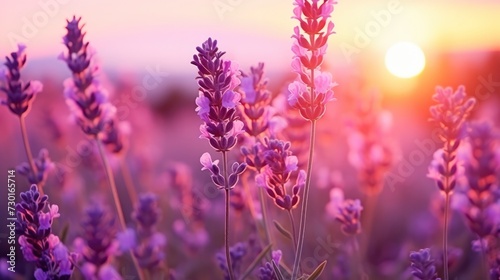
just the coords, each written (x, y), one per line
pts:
(405, 60)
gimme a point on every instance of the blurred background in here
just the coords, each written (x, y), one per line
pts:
(399, 50)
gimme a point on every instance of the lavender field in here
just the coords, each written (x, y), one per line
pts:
(235, 139)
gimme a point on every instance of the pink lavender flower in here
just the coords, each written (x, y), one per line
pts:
(280, 164)
(422, 265)
(450, 113)
(20, 95)
(371, 151)
(97, 244)
(38, 244)
(313, 88)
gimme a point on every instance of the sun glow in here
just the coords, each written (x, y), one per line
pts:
(405, 60)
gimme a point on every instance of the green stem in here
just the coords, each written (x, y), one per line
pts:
(263, 209)
(31, 162)
(226, 220)
(303, 212)
(294, 235)
(116, 199)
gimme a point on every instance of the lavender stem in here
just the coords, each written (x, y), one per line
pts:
(226, 214)
(27, 148)
(116, 199)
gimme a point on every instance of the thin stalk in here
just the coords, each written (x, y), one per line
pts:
(263, 209)
(226, 220)
(31, 162)
(446, 210)
(445, 235)
(485, 260)
(116, 199)
(303, 212)
(129, 182)
(294, 235)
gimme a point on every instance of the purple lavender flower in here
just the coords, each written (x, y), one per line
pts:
(150, 249)
(255, 104)
(480, 171)
(237, 252)
(20, 95)
(280, 164)
(43, 166)
(217, 100)
(97, 244)
(313, 88)
(266, 272)
(38, 244)
(218, 179)
(422, 265)
(114, 133)
(87, 99)
(349, 216)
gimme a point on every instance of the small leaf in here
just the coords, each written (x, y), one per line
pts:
(317, 272)
(257, 260)
(282, 230)
(64, 233)
(277, 271)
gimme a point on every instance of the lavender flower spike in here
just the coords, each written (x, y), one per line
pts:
(84, 95)
(43, 165)
(38, 244)
(149, 251)
(217, 107)
(422, 266)
(20, 95)
(313, 88)
(97, 246)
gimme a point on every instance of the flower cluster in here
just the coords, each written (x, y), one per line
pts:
(43, 165)
(149, 251)
(345, 211)
(97, 245)
(313, 88)
(370, 150)
(480, 167)
(255, 108)
(217, 101)
(84, 94)
(237, 253)
(267, 272)
(479, 154)
(217, 178)
(280, 164)
(38, 244)
(422, 266)
(20, 95)
(450, 113)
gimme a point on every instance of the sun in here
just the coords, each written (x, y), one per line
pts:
(405, 60)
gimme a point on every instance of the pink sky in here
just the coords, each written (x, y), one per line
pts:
(165, 32)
